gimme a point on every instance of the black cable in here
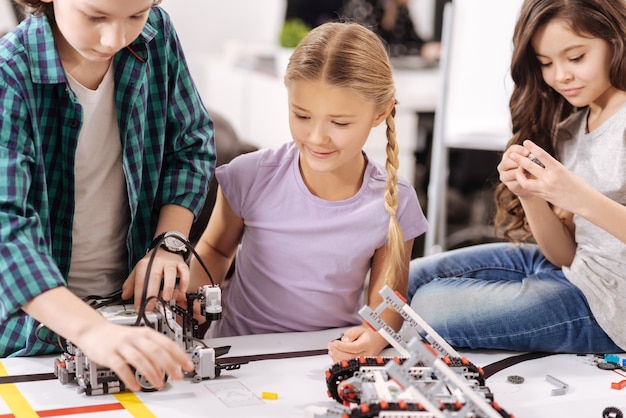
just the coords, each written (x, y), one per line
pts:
(493, 368)
(167, 307)
(51, 338)
(47, 339)
(204, 267)
(144, 293)
(97, 302)
(142, 314)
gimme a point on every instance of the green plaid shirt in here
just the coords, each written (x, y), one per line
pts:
(168, 157)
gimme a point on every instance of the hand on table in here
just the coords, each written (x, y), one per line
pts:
(355, 342)
(125, 349)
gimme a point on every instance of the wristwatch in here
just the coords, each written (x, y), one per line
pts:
(173, 242)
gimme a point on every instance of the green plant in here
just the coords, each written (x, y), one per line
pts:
(292, 32)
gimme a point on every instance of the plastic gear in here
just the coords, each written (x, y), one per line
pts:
(515, 379)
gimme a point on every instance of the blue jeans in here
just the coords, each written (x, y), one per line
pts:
(504, 296)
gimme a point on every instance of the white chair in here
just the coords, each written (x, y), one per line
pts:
(472, 111)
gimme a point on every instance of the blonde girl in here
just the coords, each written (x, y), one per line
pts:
(308, 222)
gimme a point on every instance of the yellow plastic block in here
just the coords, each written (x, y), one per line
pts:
(269, 395)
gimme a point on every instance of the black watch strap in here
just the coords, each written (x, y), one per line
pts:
(183, 250)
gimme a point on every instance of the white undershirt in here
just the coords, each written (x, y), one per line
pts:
(101, 217)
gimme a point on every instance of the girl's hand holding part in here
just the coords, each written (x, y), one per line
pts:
(355, 342)
(549, 181)
(509, 167)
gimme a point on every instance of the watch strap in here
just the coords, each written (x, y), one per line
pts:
(161, 239)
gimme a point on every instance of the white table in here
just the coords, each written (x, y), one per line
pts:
(300, 385)
(298, 382)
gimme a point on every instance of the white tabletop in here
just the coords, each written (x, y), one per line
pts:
(300, 386)
(298, 383)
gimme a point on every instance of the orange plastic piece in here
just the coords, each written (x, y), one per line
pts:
(618, 385)
(400, 296)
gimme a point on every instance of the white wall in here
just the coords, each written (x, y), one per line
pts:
(219, 28)
(207, 25)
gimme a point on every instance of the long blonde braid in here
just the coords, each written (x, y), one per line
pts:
(395, 235)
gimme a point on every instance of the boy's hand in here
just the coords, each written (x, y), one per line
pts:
(168, 269)
(124, 349)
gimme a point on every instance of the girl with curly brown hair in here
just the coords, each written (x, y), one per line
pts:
(563, 184)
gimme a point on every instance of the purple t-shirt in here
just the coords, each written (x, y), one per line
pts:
(302, 262)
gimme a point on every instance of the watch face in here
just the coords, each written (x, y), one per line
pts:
(174, 244)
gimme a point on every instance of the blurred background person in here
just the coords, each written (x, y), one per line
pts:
(313, 12)
(391, 20)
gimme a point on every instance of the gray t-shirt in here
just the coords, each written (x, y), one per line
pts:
(101, 214)
(599, 266)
